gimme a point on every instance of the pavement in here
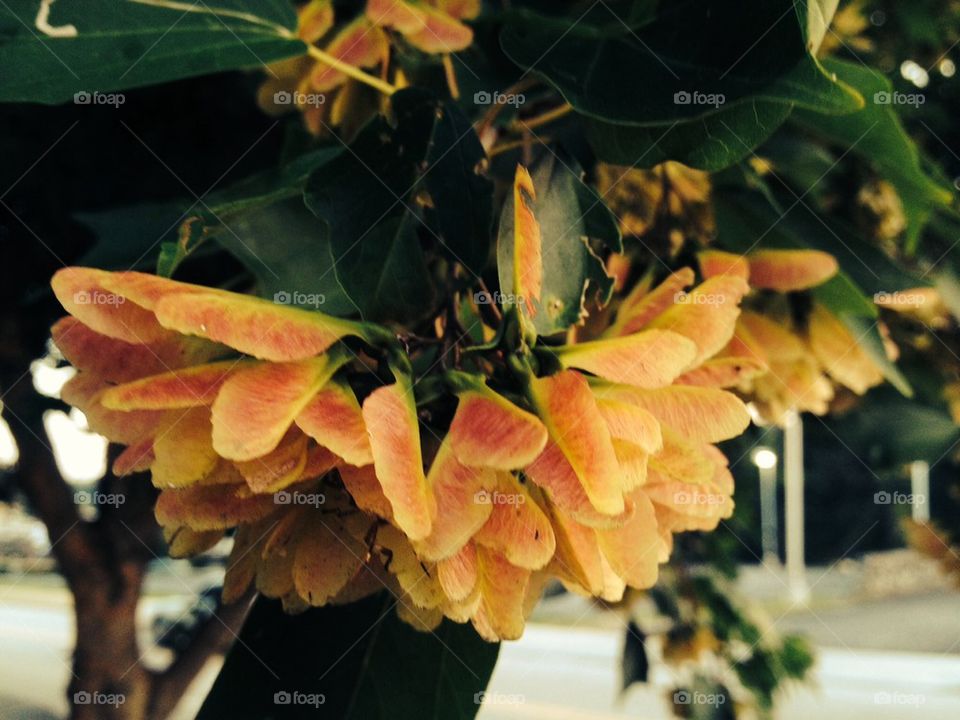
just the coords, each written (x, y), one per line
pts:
(885, 650)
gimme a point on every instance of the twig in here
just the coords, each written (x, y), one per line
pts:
(350, 70)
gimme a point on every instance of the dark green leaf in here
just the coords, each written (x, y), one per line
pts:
(692, 60)
(876, 134)
(130, 237)
(911, 431)
(99, 46)
(287, 250)
(462, 198)
(635, 665)
(710, 143)
(796, 656)
(374, 219)
(268, 187)
(360, 659)
(570, 215)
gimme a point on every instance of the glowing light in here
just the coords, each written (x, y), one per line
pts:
(764, 458)
(48, 379)
(9, 453)
(947, 67)
(914, 73)
(81, 455)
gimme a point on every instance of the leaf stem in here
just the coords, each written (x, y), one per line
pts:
(546, 118)
(350, 70)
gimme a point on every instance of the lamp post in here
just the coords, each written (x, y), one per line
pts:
(793, 487)
(766, 461)
(920, 490)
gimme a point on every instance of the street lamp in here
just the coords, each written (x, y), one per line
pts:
(766, 461)
(793, 506)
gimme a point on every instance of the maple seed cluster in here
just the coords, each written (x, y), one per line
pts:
(311, 438)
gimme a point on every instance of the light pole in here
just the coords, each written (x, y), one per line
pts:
(920, 490)
(793, 493)
(766, 461)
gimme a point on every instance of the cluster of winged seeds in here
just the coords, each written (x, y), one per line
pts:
(273, 421)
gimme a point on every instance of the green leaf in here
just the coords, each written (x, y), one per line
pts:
(374, 220)
(710, 143)
(99, 46)
(911, 430)
(796, 657)
(634, 664)
(462, 198)
(733, 52)
(876, 134)
(570, 215)
(359, 658)
(129, 238)
(388, 271)
(287, 250)
(264, 188)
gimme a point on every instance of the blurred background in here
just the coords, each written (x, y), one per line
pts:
(828, 594)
